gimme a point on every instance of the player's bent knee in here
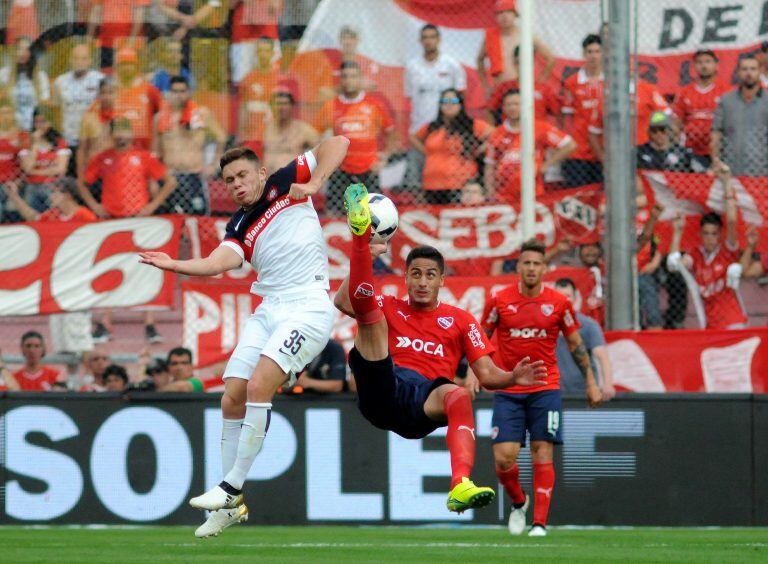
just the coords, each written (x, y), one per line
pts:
(505, 456)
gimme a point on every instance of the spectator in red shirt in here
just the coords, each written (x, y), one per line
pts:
(11, 142)
(752, 264)
(695, 105)
(545, 99)
(648, 262)
(582, 95)
(251, 19)
(45, 161)
(503, 164)
(34, 376)
(129, 177)
(137, 100)
(363, 119)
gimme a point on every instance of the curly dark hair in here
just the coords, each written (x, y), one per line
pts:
(462, 125)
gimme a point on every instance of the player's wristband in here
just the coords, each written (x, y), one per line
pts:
(197, 384)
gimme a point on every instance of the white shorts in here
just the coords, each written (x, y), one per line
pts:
(291, 330)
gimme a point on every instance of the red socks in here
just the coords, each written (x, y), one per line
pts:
(362, 292)
(461, 433)
(543, 482)
(510, 479)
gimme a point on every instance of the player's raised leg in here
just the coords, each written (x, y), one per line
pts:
(454, 404)
(371, 338)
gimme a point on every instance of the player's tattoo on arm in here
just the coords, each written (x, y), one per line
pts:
(581, 357)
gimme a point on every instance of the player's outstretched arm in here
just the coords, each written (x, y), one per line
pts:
(525, 373)
(581, 358)
(329, 155)
(220, 260)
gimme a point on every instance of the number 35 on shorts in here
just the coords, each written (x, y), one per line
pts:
(292, 345)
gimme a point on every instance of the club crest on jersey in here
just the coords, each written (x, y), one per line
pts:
(445, 322)
(364, 290)
(272, 194)
(547, 309)
(494, 432)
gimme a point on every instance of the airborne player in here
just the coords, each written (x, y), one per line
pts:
(528, 318)
(407, 351)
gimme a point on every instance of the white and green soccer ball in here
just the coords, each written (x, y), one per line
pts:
(384, 217)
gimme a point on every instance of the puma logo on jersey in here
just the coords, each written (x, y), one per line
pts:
(527, 333)
(546, 491)
(404, 316)
(420, 346)
(470, 429)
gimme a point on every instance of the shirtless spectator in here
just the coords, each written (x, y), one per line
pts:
(73, 94)
(285, 136)
(34, 376)
(499, 45)
(181, 130)
(95, 136)
(255, 90)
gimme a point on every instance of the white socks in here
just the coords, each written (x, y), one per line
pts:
(252, 433)
(230, 436)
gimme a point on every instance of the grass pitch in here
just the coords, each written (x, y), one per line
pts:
(384, 544)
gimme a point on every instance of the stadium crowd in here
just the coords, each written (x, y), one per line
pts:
(130, 130)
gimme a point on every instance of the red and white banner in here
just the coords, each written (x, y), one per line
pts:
(693, 195)
(690, 361)
(470, 238)
(667, 33)
(215, 313)
(53, 267)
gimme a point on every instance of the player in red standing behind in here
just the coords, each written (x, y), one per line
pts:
(407, 351)
(529, 317)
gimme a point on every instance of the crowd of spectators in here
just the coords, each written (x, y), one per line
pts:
(132, 127)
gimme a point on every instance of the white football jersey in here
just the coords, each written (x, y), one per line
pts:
(281, 237)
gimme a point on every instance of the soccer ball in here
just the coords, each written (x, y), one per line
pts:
(384, 217)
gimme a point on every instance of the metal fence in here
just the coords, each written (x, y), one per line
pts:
(92, 113)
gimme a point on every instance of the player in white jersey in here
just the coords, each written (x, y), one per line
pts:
(277, 230)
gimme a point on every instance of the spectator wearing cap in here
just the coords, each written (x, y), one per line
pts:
(159, 373)
(255, 91)
(571, 378)
(285, 136)
(35, 376)
(740, 125)
(695, 105)
(499, 46)
(115, 378)
(363, 119)
(426, 77)
(661, 152)
(137, 100)
(115, 21)
(327, 372)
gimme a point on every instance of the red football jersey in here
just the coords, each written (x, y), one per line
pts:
(529, 327)
(581, 97)
(721, 304)
(40, 381)
(432, 342)
(695, 106)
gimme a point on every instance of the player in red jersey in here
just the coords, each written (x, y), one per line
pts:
(711, 270)
(407, 351)
(529, 317)
(695, 104)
